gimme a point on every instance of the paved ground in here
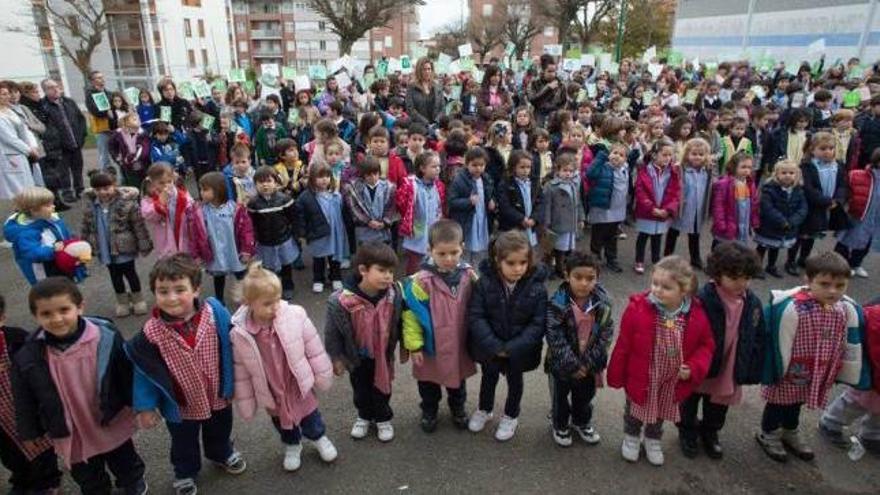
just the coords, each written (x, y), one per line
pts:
(452, 461)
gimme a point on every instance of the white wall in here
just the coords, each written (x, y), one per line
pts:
(171, 14)
(22, 59)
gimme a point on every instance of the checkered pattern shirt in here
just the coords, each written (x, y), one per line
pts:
(666, 360)
(7, 410)
(816, 355)
(195, 370)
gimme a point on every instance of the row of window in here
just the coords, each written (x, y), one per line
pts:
(187, 28)
(191, 58)
(289, 26)
(244, 46)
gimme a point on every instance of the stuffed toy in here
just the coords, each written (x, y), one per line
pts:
(71, 260)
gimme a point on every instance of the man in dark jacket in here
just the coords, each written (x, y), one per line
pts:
(869, 131)
(547, 93)
(100, 120)
(64, 115)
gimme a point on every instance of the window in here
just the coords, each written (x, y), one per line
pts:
(389, 42)
(191, 55)
(243, 46)
(307, 26)
(201, 28)
(291, 46)
(322, 26)
(487, 10)
(300, 6)
(288, 26)
(378, 46)
(322, 45)
(240, 27)
(187, 28)
(548, 31)
(204, 57)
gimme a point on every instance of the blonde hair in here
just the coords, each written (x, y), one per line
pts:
(32, 198)
(693, 143)
(786, 163)
(492, 134)
(259, 282)
(822, 138)
(681, 271)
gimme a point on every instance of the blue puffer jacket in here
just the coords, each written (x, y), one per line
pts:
(601, 177)
(33, 241)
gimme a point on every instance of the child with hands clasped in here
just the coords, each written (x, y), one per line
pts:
(696, 185)
(563, 214)
(735, 202)
(183, 370)
(579, 331)
(279, 363)
(362, 332)
(662, 353)
(273, 216)
(471, 204)
(505, 322)
(519, 197)
(657, 196)
(371, 201)
(165, 207)
(783, 210)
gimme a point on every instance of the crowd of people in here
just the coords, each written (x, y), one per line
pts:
(484, 183)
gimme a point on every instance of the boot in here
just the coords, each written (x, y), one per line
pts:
(771, 442)
(711, 444)
(123, 305)
(139, 304)
(792, 440)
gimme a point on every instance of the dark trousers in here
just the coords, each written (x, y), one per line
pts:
(186, 454)
(120, 272)
(572, 400)
(780, 416)
(28, 476)
(312, 427)
(319, 269)
(713, 416)
(73, 159)
(286, 276)
(220, 284)
(123, 461)
(431, 393)
(693, 245)
(853, 256)
(56, 173)
(641, 244)
(603, 237)
(804, 246)
(491, 374)
(371, 403)
(633, 426)
(772, 255)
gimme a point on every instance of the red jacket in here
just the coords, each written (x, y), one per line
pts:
(724, 222)
(861, 183)
(630, 363)
(645, 203)
(406, 200)
(200, 245)
(396, 170)
(872, 339)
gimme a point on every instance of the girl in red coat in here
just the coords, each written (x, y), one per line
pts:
(662, 354)
(735, 202)
(658, 194)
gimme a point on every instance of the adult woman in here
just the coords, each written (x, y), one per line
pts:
(180, 108)
(17, 144)
(36, 129)
(494, 101)
(546, 93)
(424, 98)
(332, 92)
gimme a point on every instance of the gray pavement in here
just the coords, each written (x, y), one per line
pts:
(452, 461)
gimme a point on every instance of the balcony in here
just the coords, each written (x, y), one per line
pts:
(266, 34)
(267, 53)
(126, 7)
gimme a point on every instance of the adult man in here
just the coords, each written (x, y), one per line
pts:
(99, 121)
(546, 93)
(65, 116)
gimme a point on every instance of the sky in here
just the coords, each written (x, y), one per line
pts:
(437, 13)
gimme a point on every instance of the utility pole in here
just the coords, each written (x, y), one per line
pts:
(621, 27)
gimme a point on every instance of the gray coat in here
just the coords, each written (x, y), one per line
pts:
(560, 211)
(339, 334)
(421, 107)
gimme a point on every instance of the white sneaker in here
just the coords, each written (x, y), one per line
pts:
(506, 428)
(478, 420)
(385, 431)
(360, 428)
(345, 264)
(337, 284)
(562, 437)
(631, 448)
(326, 449)
(654, 451)
(292, 457)
(317, 287)
(860, 272)
(588, 434)
(5, 244)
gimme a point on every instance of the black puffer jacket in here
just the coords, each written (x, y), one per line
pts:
(274, 218)
(512, 323)
(819, 218)
(311, 223)
(750, 343)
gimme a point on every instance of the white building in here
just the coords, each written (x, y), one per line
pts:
(32, 53)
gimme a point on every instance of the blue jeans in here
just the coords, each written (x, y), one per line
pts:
(186, 455)
(311, 427)
(102, 142)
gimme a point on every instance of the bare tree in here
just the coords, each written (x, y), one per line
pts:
(484, 35)
(448, 38)
(588, 23)
(563, 13)
(351, 19)
(520, 24)
(582, 18)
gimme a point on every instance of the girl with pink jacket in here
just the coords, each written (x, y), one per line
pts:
(735, 213)
(279, 361)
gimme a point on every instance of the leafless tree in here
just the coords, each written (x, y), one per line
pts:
(521, 24)
(351, 19)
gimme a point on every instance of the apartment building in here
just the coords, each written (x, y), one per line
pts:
(496, 11)
(34, 54)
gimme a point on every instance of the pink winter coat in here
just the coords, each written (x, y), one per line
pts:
(170, 235)
(724, 224)
(306, 357)
(200, 245)
(645, 203)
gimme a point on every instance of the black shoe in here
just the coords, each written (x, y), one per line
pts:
(801, 262)
(428, 423)
(613, 267)
(773, 272)
(792, 270)
(460, 419)
(697, 265)
(68, 197)
(60, 207)
(711, 445)
(688, 444)
(760, 276)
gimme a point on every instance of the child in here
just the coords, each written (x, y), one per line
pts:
(563, 215)
(391, 167)
(165, 146)
(542, 160)
(204, 145)
(273, 214)
(165, 208)
(609, 184)
(326, 133)
(413, 146)
(658, 193)
(221, 233)
(783, 210)
(371, 201)
(696, 181)
(33, 465)
(523, 127)
(471, 204)
(735, 202)
(864, 211)
(357, 343)
(72, 382)
(333, 154)
(183, 368)
(146, 109)
(435, 324)
(737, 324)
(112, 223)
(520, 199)
(267, 137)
(37, 234)
(319, 221)
(454, 149)
(505, 323)
(662, 354)
(735, 142)
(279, 362)
(420, 200)
(498, 149)
(239, 175)
(807, 336)
(579, 331)
(291, 171)
(788, 141)
(827, 191)
(130, 149)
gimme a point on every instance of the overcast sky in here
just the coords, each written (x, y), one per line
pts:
(437, 13)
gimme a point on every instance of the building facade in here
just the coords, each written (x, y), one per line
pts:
(35, 55)
(495, 11)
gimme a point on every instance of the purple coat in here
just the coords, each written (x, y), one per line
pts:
(724, 224)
